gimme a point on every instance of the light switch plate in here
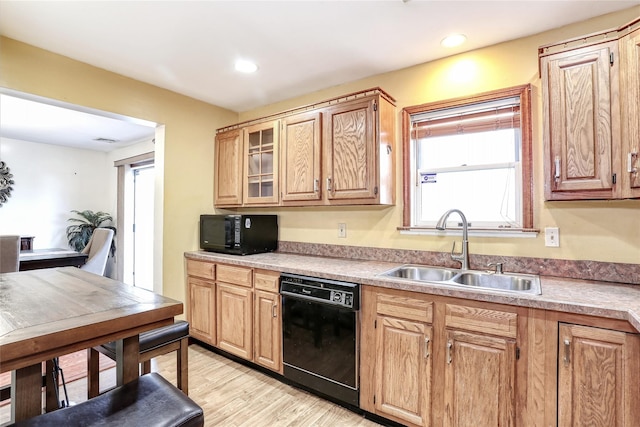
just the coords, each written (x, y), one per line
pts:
(552, 237)
(342, 230)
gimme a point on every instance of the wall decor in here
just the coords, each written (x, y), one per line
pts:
(6, 183)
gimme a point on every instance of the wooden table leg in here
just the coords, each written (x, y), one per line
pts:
(127, 359)
(51, 397)
(26, 392)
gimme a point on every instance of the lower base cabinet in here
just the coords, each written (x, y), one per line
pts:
(420, 344)
(598, 377)
(234, 319)
(479, 385)
(236, 309)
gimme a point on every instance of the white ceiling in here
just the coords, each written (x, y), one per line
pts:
(300, 46)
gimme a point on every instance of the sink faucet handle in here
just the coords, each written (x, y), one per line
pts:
(497, 265)
(455, 256)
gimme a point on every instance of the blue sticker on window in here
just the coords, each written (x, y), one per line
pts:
(428, 178)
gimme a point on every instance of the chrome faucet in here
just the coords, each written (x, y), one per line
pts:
(462, 257)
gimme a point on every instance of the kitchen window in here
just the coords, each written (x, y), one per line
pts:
(472, 154)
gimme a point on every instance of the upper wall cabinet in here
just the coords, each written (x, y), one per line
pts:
(261, 164)
(228, 168)
(590, 105)
(336, 152)
(358, 152)
(301, 158)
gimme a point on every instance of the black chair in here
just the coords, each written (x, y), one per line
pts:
(149, 400)
(152, 344)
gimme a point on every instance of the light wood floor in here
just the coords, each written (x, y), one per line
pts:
(233, 395)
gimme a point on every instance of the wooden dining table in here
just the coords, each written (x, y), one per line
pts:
(48, 313)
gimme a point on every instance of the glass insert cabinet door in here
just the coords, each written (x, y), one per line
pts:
(261, 154)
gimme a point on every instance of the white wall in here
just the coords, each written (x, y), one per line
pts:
(50, 181)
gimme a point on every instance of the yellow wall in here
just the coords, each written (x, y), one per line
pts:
(185, 159)
(589, 230)
(605, 231)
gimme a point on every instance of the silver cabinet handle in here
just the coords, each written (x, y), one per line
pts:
(426, 347)
(274, 311)
(316, 185)
(567, 352)
(557, 164)
(328, 184)
(630, 167)
(449, 350)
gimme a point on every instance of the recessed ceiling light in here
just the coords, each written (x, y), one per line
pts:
(453, 40)
(244, 66)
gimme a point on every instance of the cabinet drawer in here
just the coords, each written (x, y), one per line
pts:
(206, 270)
(266, 280)
(235, 275)
(405, 308)
(483, 320)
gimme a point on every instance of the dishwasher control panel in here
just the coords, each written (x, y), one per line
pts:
(344, 294)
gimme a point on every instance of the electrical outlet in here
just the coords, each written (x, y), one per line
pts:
(342, 230)
(552, 237)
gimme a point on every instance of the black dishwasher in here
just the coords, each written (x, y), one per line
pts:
(320, 335)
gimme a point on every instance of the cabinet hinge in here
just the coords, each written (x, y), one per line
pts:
(517, 353)
(611, 58)
(375, 106)
(613, 178)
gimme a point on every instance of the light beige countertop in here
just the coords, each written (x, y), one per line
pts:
(603, 299)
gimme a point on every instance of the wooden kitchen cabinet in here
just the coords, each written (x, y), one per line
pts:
(229, 150)
(629, 46)
(422, 343)
(597, 377)
(267, 339)
(260, 180)
(234, 310)
(358, 147)
(201, 300)
(301, 158)
(336, 152)
(403, 365)
(590, 112)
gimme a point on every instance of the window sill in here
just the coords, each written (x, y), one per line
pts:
(512, 233)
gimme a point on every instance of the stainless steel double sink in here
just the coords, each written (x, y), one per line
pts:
(510, 282)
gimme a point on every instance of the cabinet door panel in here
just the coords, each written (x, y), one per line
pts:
(201, 314)
(350, 151)
(261, 164)
(403, 370)
(595, 377)
(234, 320)
(479, 380)
(268, 331)
(577, 92)
(301, 151)
(630, 112)
(228, 169)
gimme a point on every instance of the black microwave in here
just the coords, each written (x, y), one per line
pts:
(239, 234)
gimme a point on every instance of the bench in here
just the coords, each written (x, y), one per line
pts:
(149, 400)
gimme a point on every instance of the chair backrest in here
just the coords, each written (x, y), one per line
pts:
(98, 251)
(9, 254)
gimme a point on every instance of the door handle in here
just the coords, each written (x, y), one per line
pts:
(316, 185)
(630, 167)
(274, 311)
(449, 351)
(567, 352)
(557, 165)
(426, 347)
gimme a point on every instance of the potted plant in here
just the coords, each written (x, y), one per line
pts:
(79, 233)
